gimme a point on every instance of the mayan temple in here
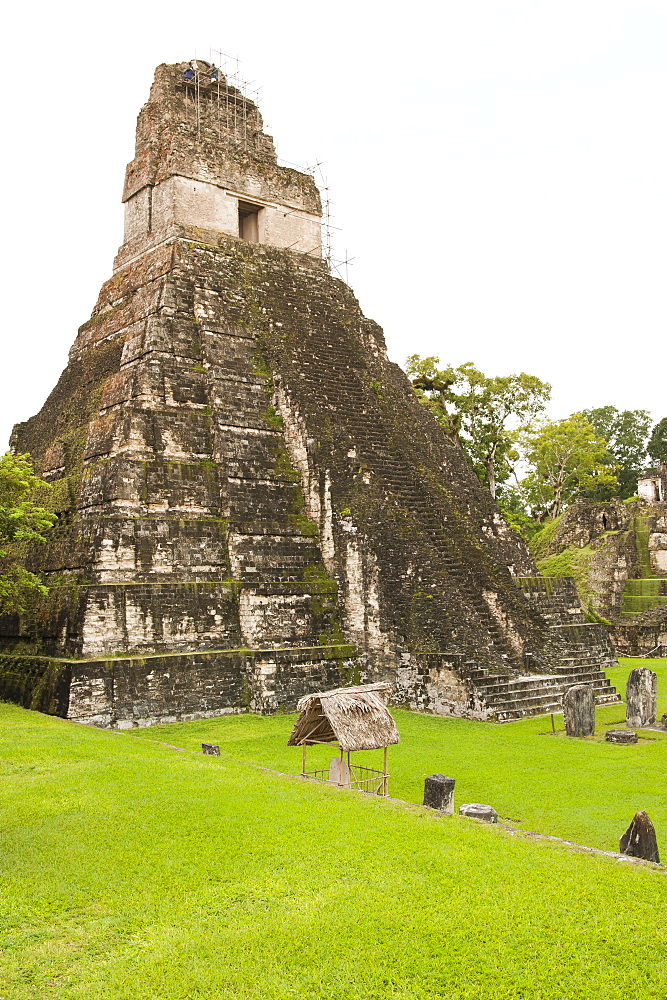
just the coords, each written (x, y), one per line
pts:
(252, 503)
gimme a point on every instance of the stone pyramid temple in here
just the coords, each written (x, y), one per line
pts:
(252, 503)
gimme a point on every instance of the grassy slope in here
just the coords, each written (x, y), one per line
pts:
(574, 562)
(130, 870)
(584, 790)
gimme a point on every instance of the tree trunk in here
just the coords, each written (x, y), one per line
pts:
(489, 464)
(491, 476)
(558, 492)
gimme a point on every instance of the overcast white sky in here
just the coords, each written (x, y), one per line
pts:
(498, 171)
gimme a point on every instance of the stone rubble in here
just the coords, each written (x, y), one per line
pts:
(475, 810)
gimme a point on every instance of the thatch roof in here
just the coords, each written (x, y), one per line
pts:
(356, 718)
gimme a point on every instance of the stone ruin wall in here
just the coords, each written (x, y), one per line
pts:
(199, 148)
(645, 635)
(652, 486)
(628, 541)
(627, 544)
(193, 465)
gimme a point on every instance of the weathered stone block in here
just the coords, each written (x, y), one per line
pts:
(439, 793)
(579, 710)
(639, 840)
(211, 749)
(475, 810)
(620, 736)
(641, 697)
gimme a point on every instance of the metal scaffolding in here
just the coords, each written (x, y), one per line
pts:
(225, 100)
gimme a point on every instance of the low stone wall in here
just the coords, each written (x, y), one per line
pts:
(441, 683)
(36, 682)
(137, 691)
(641, 635)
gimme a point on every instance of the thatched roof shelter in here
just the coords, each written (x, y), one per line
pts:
(355, 717)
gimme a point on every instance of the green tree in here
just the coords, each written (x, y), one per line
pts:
(515, 511)
(566, 459)
(626, 433)
(657, 446)
(481, 411)
(23, 520)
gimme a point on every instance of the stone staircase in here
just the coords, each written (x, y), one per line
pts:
(508, 697)
(581, 652)
(342, 389)
(576, 651)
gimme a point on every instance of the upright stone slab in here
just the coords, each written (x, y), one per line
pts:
(641, 697)
(339, 772)
(439, 793)
(579, 710)
(639, 840)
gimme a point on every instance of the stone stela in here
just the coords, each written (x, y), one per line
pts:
(579, 710)
(439, 793)
(641, 697)
(639, 840)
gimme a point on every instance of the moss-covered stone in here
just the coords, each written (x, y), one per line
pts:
(241, 467)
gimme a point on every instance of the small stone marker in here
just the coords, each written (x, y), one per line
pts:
(439, 793)
(211, 749)
(579, 710)
(620, 736)
(663, 721)
(639, 840)
(339, 772)
(641, 697)
(473, 810)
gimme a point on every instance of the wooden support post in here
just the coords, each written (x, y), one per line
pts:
(303, 758)
(385, 783)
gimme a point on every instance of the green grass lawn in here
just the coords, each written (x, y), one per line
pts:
(583, 790)
(132, 871)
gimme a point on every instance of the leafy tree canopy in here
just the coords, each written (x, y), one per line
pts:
(481, 411)
(515, 511)
(22, 520)
(657, 446)
(626, 433)
(567, 459)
